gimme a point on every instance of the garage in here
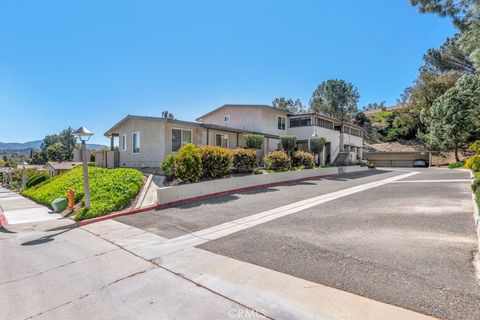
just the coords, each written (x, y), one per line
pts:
(397, 159)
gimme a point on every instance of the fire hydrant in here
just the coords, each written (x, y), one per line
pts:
(71, 198)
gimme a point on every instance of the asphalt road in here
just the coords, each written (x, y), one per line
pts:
(409, 244)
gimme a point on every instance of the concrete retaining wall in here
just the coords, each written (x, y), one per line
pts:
(195, 190)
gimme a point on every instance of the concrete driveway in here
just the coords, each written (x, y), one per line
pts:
(372, 245)
(409, 242)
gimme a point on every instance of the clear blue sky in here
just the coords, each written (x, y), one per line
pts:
(93, 62)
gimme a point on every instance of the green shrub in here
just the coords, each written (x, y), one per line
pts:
(277, 161)
(302, 158)
(316, 144)
(216, 161)
(473, 163)
(455, 165)
(245, 160)
(168, 166)
(288, 143)
(371, 165)
(253, 141)
(35, 180)
(110, 189)
(188, 164)
(476, 183)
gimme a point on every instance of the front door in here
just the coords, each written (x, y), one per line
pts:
(327, 153)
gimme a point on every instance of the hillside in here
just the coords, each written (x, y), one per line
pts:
(17, 146)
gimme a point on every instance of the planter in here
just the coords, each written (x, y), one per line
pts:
(195, 191)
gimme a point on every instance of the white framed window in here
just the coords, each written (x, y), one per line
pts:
(221, 140)
(281, 123)
(180, 137)
(226, 118)
(123, 142)
(136, 142)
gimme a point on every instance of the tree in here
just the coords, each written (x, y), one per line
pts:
(37, 158)
(55, 152)
(335, 98)
(69, 142)
(454, 116)
(288, 144)
(374, 106)
(449, 57)
(253, 141)
(316, 145)
(294, 107)
(465, 15)
(167, 115)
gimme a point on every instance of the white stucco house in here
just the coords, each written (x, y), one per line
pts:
(145, 141)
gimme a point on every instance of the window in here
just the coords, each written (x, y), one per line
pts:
(136, 142)
(324, 123)
(221, 140)
(300, 122)
(124, 142)
(226, 118)
(281, 123)
(180, 138)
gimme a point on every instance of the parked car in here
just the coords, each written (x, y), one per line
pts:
(420, 163)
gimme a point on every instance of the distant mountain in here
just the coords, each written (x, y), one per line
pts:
(11, 146)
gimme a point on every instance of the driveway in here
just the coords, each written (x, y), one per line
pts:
(409, 242)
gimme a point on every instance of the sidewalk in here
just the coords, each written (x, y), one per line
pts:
(18, 209)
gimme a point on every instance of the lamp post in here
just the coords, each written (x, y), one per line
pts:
(24, 178)
(84, 135)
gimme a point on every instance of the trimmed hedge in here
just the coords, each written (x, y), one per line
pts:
(216, 161)
(168, 166)
(253, 141)
(188, 164)
(277, 161)
(110, 189)
(302, 158)
(245, 160)
(35, 180)
(288, 143)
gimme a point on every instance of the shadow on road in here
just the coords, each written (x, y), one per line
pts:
(50, 237)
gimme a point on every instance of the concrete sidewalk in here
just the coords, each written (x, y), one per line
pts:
(18, 209)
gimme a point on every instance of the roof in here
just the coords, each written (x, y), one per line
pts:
(258, 106)
(109, 131)
(31, 166)
(63, 165)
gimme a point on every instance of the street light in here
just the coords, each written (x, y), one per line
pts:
(84, 135)
(24, 178)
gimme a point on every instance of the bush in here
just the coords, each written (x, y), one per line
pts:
(110, 189)
(473, 163)
(371, 165)
(277, 161)
(168, 166)
(35, 180)
(475, 147)
(253, 141)
(316, 144)
(245, 160)
(188, 164)
(476, 183)
(288, 143)
(455, 165)
(216, 161)
(302, 158)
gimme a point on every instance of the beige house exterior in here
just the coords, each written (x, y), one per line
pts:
(56, 168)
(146, 141)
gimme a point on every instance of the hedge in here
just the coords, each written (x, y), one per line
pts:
(188, 164)
(302, 158)
(216, 161)
(245, 160)
(277, 161)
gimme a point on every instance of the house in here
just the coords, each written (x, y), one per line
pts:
(55, 168)
(146, 141)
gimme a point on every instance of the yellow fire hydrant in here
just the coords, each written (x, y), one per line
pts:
(71, 199)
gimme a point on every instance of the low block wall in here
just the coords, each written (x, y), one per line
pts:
(213, 187)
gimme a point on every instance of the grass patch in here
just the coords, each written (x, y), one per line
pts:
(110, 189)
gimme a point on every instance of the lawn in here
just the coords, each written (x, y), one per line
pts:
(110, 189)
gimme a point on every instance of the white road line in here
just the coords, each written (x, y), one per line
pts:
(428, 181)
(202, 236)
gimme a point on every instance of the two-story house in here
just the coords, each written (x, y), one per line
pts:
(146, 141)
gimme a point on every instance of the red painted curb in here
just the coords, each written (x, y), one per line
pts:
(187, 200)
(3, 221)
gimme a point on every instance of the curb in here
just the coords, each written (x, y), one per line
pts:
(3, 219)
(202, 197)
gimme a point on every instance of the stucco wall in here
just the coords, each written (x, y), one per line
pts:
(152, 143)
